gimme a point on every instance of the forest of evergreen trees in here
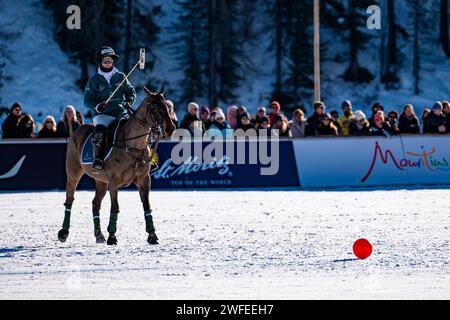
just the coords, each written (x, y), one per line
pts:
(213, 41)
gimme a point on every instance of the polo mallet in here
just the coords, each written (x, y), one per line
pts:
(140, 63)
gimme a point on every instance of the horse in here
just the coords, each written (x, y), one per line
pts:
(129, 162)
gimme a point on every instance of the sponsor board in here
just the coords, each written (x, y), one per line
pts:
(225, 171)
(365, 162)
(40, 165)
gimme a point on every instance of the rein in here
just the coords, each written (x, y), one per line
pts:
(154, 131)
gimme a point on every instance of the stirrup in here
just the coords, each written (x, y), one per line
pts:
(97, 166)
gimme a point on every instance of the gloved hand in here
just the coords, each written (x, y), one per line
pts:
(127, 106)
(100, 108)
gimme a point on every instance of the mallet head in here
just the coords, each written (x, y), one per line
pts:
(142, 59)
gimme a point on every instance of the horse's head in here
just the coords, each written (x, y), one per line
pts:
(158, 110)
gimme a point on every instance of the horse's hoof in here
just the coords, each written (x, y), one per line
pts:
(152, 239)
(63, 235)
(100, 238)
(112, 240)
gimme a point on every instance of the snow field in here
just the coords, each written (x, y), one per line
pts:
(230, 245)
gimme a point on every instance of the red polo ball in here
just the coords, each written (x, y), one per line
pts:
(362, 249)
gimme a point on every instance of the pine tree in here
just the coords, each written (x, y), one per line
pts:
(416, 58)
(190, 43)
(210, 46)
(226, 67)
(144, 33)
(129, 21)
(4, 56)
(444, 27)
(278, 17)
(231, 55)
(355, 19)
(389, 75)
(292, 35)
(101, 24)
(300, 67)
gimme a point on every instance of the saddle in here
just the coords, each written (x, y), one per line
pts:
(112, 134)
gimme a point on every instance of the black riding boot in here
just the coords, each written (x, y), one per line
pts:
(98, 143)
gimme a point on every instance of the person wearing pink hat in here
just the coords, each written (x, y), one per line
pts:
(275, 108)
(232, 116)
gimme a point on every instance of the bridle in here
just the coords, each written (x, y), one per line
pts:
(154, 134)
(154, 131)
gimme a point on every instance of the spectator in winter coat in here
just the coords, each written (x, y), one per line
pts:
(220, 127)
(213, 113)
(282, 127)
(314, 120)
(298, 124)
(360, 127)
(68, 124)
(245, 123)
(426, 112)
(172, 113)
(375, 108)
(326, 127)
(435, 121)
(335, 117)
(408, 122)
(232, 116)
(380, 127)
(25, 128)
(9, 126)
(240, 113)
(256, 119)
(205, 116)
(264, 129)
(446, 111)
(80, 118)
(347, 117)
(446, 108)
(275, 110)
(191, 120)
(48, 129)
(393, 121)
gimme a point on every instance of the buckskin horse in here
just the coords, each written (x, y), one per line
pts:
(127, 163)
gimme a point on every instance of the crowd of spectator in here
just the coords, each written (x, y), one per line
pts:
(435, 120)
(18, 125)
(321, 123)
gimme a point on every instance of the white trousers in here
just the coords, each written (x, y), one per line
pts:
(103, 120)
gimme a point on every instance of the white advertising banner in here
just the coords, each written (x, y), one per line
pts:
(373, 161)
(427, 159)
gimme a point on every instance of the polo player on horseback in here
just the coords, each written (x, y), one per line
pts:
(99, 88)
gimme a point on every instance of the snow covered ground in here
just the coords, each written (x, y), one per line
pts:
(231, 245)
